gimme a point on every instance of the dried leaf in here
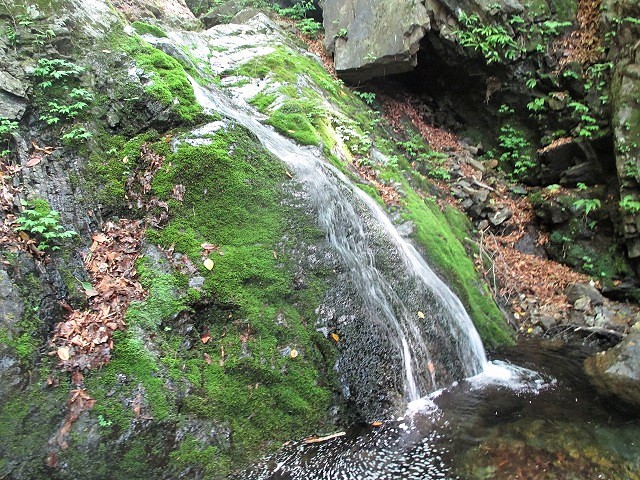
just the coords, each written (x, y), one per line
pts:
(420, 315)
(33, 161)
(208, 264)
(376, 424)
(335, 337)
(293, 353)
(207, 358)
(205, 337)
(431, 367)
(63, 353)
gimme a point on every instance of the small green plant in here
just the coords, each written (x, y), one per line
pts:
(367, 97)
(103, 422)
(531, 83)
(551, 27)
(76, 134)
(493, 41)
(506, 110)
(588, 125)
(7, 127)
(309, 27)
(587, 205)
(297, 11)
(536, 105)
(630, 205)
(370, 57)
(342, 33)
(582, 187)
(50, 70)
(58, 98)
(43, 223)
(587, 264)
(515, 151)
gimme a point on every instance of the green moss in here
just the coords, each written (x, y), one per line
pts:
(207, 459)
(133, 370)
(295, 125)
(111, 165)
(27, 419)
(143, 28)
(243, 377)
(442, 234)
(29, 333)
(163, 301)
(169, 82)
(262, 101)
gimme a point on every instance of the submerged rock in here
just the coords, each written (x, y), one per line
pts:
(617, 371)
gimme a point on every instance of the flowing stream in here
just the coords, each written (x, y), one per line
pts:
(354, 225)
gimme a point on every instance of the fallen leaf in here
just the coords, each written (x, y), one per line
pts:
(207, 358)
(431, 367)
(205, 337)
(63, 353)
(77, 378)
(376, 424)
(335, 337)
(420, 315)
(293, 353)
(33, 161)
(208, 264)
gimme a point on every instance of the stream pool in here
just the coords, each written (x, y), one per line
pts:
(509, 423)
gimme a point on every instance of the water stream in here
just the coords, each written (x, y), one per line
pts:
(357, 229)
(505, 424)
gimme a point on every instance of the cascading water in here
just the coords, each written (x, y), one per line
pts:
(357, 229)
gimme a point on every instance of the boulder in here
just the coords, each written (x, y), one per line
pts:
(373, 39)
(576, 291)
(617, 371)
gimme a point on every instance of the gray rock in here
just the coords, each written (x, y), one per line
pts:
(585, 172)
(373, 39)
(11, 306)
(519, 190)
(582, 304)
(476, 164)
(406, 229)
(196, 282)
(617, 371)
(498, 218)
(576, 291)
(12, 85)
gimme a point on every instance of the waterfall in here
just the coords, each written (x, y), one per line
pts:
(354, 223)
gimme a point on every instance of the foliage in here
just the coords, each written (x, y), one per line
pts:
(515, 151)
(7, 127)
(50, 70)
(43, 223)
(493, 41)
(587, 204)
(297, 11)
(309, 27)
(59, 97)
(367, 97)
(630, 205)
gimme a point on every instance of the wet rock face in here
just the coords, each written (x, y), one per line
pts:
(373, 39)
(617, 371)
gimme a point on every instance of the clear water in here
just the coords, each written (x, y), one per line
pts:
(507, 423)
